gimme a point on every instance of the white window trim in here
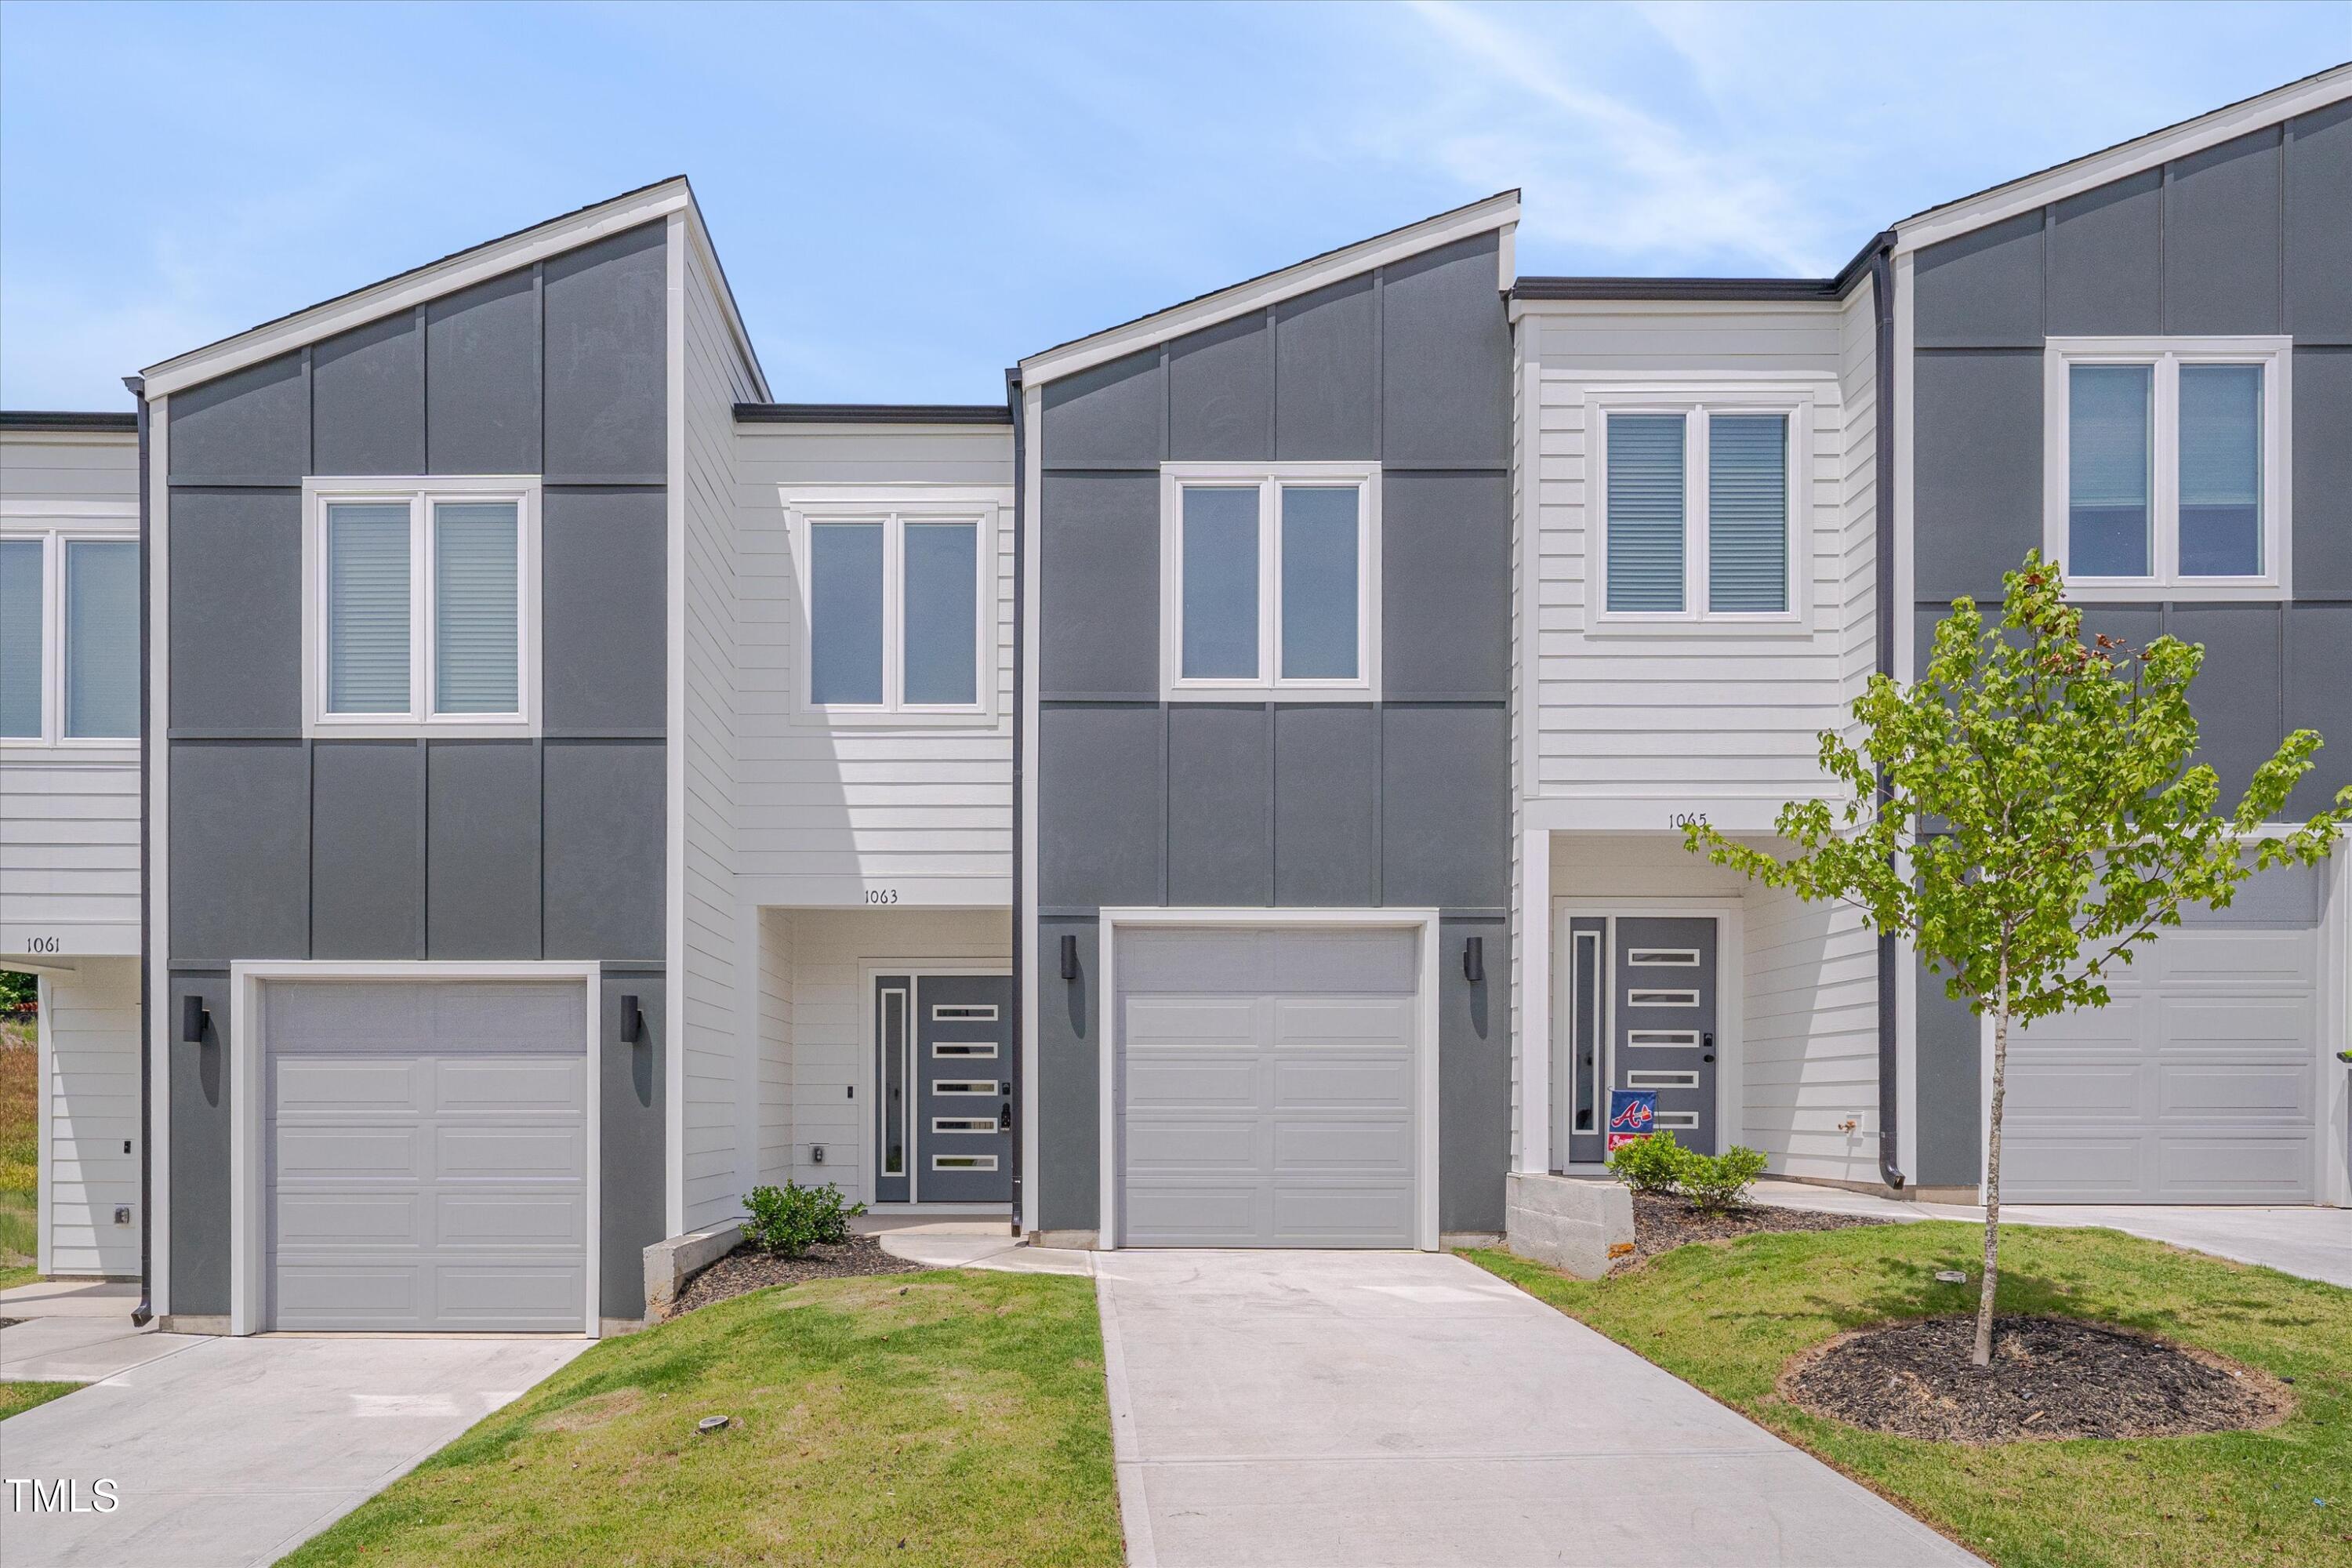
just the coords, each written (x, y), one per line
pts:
(419, 492)
(1795, 405)
(892, 711)
(1269, 683)
(2167, 356)
(53, 537)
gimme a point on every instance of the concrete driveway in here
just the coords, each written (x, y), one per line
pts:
(228, 1452)
(1364, 1408)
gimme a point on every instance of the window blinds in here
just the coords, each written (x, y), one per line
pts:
(20, 638)
(940, 637)
(476, 611)
(1646, 511)
(845, 612)
(367, 607)
(2107, 470)
(1747, 513)
(2221, 470)
(102, 638)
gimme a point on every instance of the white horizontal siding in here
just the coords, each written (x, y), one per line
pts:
(775, 1077)
(828, 812)
(1810, 1037)
(70, 814)
(89, 1118)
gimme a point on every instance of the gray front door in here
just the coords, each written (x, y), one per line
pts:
(943, 1064)
(1662, 1027)
(429, 1154)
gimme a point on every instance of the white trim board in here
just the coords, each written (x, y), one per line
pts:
(1424, 921)
(156, 823)
(1500, 211)
(248, 1091)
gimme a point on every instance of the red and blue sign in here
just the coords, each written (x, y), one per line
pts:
(1632, 1114)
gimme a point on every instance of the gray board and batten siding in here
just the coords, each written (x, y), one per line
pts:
(1397, 802)
(549, 847)
(2247, 237)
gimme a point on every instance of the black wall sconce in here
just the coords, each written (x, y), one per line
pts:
(195, 1019)
(632, 1020)
(1069, 958)
(1474, 959)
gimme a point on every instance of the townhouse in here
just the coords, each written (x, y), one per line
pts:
(1227, 792)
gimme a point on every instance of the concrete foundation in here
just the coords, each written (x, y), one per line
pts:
(669, 1263)
(1573, 1223)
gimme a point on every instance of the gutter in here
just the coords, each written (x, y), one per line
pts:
(72, 419)
(873, 413)
(144, 1312)
(1012, 413)
(1878, 258)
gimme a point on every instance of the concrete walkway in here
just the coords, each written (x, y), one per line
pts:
(2314, 1243)
(228, 1452)
(1365, 1408)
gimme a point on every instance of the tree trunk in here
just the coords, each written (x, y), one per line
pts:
(1982, 1356)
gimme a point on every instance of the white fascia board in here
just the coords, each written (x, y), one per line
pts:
(706, 256)
(2117, 162)
(413, 289)
(1496, 212)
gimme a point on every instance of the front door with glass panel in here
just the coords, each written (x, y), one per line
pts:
(943, 1080)
(1640, 996)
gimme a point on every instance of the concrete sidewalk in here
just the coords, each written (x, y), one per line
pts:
(2314, 1243)
(1365, 1408)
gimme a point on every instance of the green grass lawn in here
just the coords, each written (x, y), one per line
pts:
(1729, 1317)
(908, 1418)
(15, 1398)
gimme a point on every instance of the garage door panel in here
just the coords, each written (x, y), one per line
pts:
(2281, 1093)
(329, 1084)
(467, 1219)
(1194, 962)
(2074, 1091)
(1157, 1147)
(345, 1153)
(2242, 960)
(342, 1220)
(1382, 1147)
(1197, 1021)
(475, 1150)
(1321, 1020)
(2108, 1166)
(1197, 1082)
(543, 1086)
(2119, 1027)
(507, 1293)
(2257, 1027)
(1161, 1214)
(2240, 1169)
(1300, 1083)
(1369, 961)
(1341, 1216)
(336, 1295)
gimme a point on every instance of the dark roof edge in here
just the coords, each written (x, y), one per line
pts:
(1812, 289)
(873, 413)
(66, 419)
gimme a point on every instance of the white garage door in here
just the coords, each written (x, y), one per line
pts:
(1267, 1088)
(429, 1156)
(2197, 1084)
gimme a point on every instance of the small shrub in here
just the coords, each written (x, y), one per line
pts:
(1650, 1164)
(1715, 1183)
(792, 1218)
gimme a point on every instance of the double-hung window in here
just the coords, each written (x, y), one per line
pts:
(69, 638)
(1270, 576)
(898, 604)
(421, 606)
(2165, 464)
(1700, 506)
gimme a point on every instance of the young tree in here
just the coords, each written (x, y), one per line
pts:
(2026, 815)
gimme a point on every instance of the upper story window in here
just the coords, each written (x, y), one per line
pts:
(420, 606)
(1698, 507)
(69, 638)
(1269, 580)
(898, 622)
(2166, 464)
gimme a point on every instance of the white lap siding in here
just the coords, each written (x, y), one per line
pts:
(89, 1113)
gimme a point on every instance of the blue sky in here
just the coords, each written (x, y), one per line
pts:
(910, 198)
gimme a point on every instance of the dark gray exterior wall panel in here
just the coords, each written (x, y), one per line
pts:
(367, 849)
(236, 610)
(1445, 360)
(197, 1092)
(1220, 804)
(482, 849)
(2319, 697)
(1221, 392)
(2322, 462)
(1326, 382)
(608, 389)
(1982, 289)
(1443, 805)
(1098, 585)
(604, 572)
(2106, 260)
(1473, 1077)
(1327, 830)
(1445, 575)
(2222, 238)
(367, 399)
(1951, 1092)
(1112, 417)
(630, 1128)
(2236, 699)
(1102, 802)
(1069, 1080)
(240, 823)
(249, 427)
(602, 878)
(2318, 233)
(482, 384)
(1977, 492)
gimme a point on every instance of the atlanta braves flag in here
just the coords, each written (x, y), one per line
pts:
(1632, 1114)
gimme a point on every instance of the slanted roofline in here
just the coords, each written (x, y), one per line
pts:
(405, 291)
(1499, 211)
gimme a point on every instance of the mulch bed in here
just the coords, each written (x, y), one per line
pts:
(1663, 1222)
(746, 1270)
(2049, 1377)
